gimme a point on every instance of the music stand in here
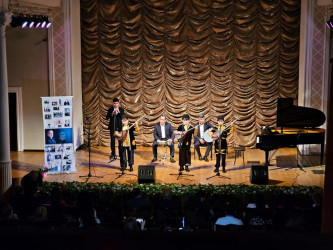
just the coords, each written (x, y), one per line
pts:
(89, 162)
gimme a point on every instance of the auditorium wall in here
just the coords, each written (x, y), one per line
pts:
(27, 64)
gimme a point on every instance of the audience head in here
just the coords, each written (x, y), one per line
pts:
(229, 210)
(317, 198)
(136, 193)
(167, 194)
(6, 211)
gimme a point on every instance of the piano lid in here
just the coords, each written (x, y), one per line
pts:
(289, 115)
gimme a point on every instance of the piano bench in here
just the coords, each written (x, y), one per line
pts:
(239, 152)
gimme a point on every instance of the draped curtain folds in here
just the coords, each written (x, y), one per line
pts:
(217, 57)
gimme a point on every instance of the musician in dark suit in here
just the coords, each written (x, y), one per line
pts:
(199, 137)
(219, 133)
(114, 114)
(185, 132)
(163, 131)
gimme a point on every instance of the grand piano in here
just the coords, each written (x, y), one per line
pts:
(295, 126)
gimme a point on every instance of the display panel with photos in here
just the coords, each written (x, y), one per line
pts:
(58, 134)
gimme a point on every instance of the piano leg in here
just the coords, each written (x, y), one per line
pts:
(321, 153)
(266, 158)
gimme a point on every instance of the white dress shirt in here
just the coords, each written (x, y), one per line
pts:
(163, 131)
(202, 131)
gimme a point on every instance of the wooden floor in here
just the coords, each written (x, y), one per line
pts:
(282, 171)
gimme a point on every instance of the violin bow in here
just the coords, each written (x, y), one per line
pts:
(226, 127)
(137, 121)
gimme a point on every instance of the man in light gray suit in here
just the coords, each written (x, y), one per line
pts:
(163, 131)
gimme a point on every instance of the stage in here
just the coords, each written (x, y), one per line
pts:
(283, 170)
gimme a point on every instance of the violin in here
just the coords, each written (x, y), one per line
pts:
(181, 136)
(122, 136)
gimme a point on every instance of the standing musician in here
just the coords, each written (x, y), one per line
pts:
(219, 133)
(184, 143)
(114, 114)
(199, 134)
(127, 143)
(163, 132)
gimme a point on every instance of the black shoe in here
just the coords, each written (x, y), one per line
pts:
(186, 169)
(206, 159)
(131, 168)
(216, 170)
(200, 158)
(112, 157)
(223, 170)
(181, 169)
(172, 160)
(154, 159)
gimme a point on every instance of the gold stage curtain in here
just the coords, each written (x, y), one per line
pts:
(223, 57)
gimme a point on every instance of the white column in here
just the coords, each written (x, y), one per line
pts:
(73, 65)
(5, 161)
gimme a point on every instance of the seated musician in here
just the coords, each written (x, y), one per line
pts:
(127, 143)
(184, 133)
(199, 137)
(163, 132)
(219, 134)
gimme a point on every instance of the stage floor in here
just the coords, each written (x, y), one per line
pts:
(283, 168)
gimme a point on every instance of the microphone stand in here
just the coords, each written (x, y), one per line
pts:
(89, 162)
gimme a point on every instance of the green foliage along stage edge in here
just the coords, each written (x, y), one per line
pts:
(152, 190)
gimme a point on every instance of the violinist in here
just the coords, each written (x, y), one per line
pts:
(127, 143)
(202, 126)
(184, 133)
(219, 134)
(114, 114)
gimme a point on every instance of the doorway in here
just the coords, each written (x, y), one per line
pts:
(15, 118)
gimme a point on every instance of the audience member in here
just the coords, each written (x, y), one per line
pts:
(228, 219)
(32, 182)
(86, 211)
(57, 208)
(7, 216)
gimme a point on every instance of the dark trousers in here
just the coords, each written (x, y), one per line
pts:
(126, 155)
(218, 160)
(197, 145)
(113, 142)
(172, 149)
(184, 157)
